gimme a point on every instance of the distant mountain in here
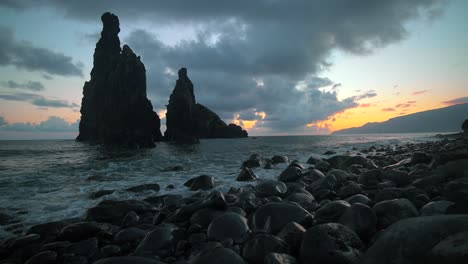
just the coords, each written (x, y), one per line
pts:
(447, 119)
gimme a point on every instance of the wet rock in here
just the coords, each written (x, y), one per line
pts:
(331, 211)
(254, 250)
(204, 216)
(124, 117)
(110, 250)
(391, 211)
(277, 258)
(272, 217)
(344, 162)
(371, 177)
(203, 182)
(130, 219)
(291, 173)
(389, 194)
(314, 159)
(246, 174)
(453, 249)
(158, 242)
(173, 168)
(358, 198)
(292, 233)
(349, 190)
(420, 157)
(401, 178)
(144, 187)
(113, 211)
(130, 235)
(79, 231)
(326, 183)
(435, 208)
(279, 159)
(127, 260)
(340, 175)
(330, 243)
(412, 240)
(45, 257)
(361, 219)
(85, 248)
(216, 200)
(329, 152)
(270, 188)
(100, 193)
(221, 255)
(313, 175)
(228, 225)
(50, 230)
(23, 241)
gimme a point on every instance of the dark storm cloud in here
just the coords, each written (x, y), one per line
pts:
(24, 55)
(52, 124)
(29, 85)
(252, 56)
(37, 100)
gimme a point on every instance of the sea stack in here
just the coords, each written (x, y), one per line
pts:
(188, 121)
(115, 110)
(465, 130)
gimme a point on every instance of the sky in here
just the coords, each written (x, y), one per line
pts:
(274, 67)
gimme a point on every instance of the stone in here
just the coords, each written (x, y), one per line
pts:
(331, 211)
(349, 190)
(221, 255)
(420, 157)
(127, 260)
(85, 248)
(330, 243)
(100, 193)
(144, 187)
(278, 258)
(209, 125)
(79, 231)
(228, 225)
(110, 250)
(254, 250)
(371, 177)
(292, 233)
(22, 241)
(314, 159)
(291, 173)
(246, 174)
(435, 208)
(361, 219)
(416, 240)
(159, 241)
(204, 216)
(272, 217)
(453, 249)
(270, 188)
(130, 219)
(279, 159)
(389, 194)
(130, 235)
(401, 178)
(391, 211)
(44, 257)
(358, 198)
(113, 211)
(327, 183)
(115, 110)
(203, 182)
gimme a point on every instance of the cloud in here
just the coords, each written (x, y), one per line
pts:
(461, 100)
(38, 100)
(256, 56)
(420, 92)
(24, 55)
(402, 105)
(411, 102)
(29, 85)
(388, 109)
(368, 94)
(365, 105)
(52, 124)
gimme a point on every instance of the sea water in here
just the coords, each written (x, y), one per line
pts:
(47, 180)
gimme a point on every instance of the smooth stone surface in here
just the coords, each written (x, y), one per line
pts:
(331, 211)
(79, 231)
(358, 198)
(255, 250)
(113, 211)
(44, 257)
(435, 208)
(246, 174)
(277, 258)
(144, 187)
(157, 242)
(290, 174)
(361, 219)
(371, 177)
(203, 182)
(128, 260)
(401, 178)
(274, 216)
(349, 190)
(389, 212)
(411, 240)
(453, 249)
(217, 255)
(228, 225)
(271, 188)
(330, 243)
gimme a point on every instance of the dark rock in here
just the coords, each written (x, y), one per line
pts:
(130, 235)
(314, 159)
(389, 194)
(44, 257)
(49, 231)
(401, 178)
(251, 163)
(173, 168)
(277, 258)
(291, 173)
(371, 177)
(361, 219)
(344, 162)
(55, 246)
(329, 152)
(453, 249)
(127, 260)
(391, 211)
(79, 231)
(130, 219)
(435, 208)
(100, 193)
(420, 157)
(246, 174)
(114, 109)
(197, 238)
(85, 248)
(272, 217)
(326, 183)
(331, 211)
(113, 211)
(254, 250)
(340, 175)
(220, 255)
(204, 216)
(144, 187)
(270, 188)
(110, 250)
(23, 241)
(228, 225)
(209, 125)
(158, 242)
(203, 182)
(358, 198)
(349, 190)
(330, 243)
(292, 233)
(313, 175)
(279, 159)
(416, 240)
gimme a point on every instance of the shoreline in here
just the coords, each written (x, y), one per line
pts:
(353, 197)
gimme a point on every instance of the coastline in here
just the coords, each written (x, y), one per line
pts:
(355, 198)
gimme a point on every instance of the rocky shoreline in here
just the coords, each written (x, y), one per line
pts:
(393, 204)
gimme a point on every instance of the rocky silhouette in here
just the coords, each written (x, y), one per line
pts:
(188, 121)
(115, 110)
(465, 129)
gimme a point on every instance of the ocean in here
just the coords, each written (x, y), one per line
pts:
(47, 180)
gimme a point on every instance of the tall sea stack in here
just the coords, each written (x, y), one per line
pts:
(187, 121)
(115, 110)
